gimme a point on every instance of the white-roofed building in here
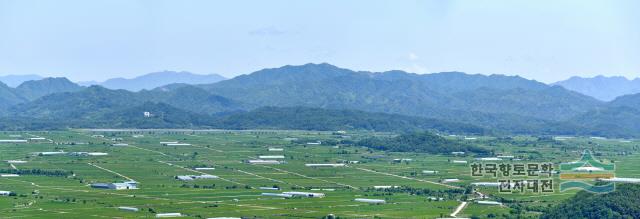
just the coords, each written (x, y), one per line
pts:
(306, 194)
(371, 201)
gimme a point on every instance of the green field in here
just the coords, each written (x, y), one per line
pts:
(237, 194)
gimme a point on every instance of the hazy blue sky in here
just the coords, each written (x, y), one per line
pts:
(543, 40)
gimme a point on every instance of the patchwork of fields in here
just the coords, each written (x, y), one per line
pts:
(237, 192)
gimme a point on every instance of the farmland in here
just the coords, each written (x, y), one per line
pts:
(237, 190)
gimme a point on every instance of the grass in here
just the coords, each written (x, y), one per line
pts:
(235, 193)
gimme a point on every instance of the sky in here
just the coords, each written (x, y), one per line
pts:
(545, 40)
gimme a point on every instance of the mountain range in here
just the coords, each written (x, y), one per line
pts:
(15, 80)
(323, 96)
(601, 87)
(156, 79)
(32, 90)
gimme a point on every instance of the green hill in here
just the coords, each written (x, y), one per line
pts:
(35, 89)
(432, 95)
(303, 118)
(622, 203)
(419, 142)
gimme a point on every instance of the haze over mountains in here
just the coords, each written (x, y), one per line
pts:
(15, 80)
(601, 87)
(325, 97)
(156, 79)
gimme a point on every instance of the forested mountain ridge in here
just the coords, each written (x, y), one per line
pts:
(622, 203)
(327, 86)
(501, 104)
(35, 89)
(8, 96)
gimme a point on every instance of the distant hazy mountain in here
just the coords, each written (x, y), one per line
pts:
(15, 80)
(433, 95)
(157, 79)
(601, 87)
(35, 89)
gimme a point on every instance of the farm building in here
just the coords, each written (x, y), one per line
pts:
(178, 144)
(488, 203)
(506, 156)
(385, 187)
(489, 159)
(9, 175)
(206, 176)
(587, 169)
(193, 177)
(264, 162)
(305, 194)
(5, 193)
(276, 149)
(371, 201)
(430, 172)
(184, 178)
(164, 215)
(119, 144)
(12, 141)
(116, 186)
(622, 180)
(450, 180)
(51, 153)
(87, 154)
(459, 161)
(486, 184)
(271, 157)
(314, 143)
(204, 168)
(168, 142)
(281, 195)
(97, 136)
(457, 153)
(37, 139)
(16, 161)
(97, 154)
(128, 209)
(325, 165)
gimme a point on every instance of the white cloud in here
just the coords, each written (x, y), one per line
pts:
(413, 56)
(267, 31)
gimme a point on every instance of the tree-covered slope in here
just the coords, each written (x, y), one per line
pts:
(622, 203)
(35, 89)
(432, 95)
(8, 97)
(303, 118)
(419, 142)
